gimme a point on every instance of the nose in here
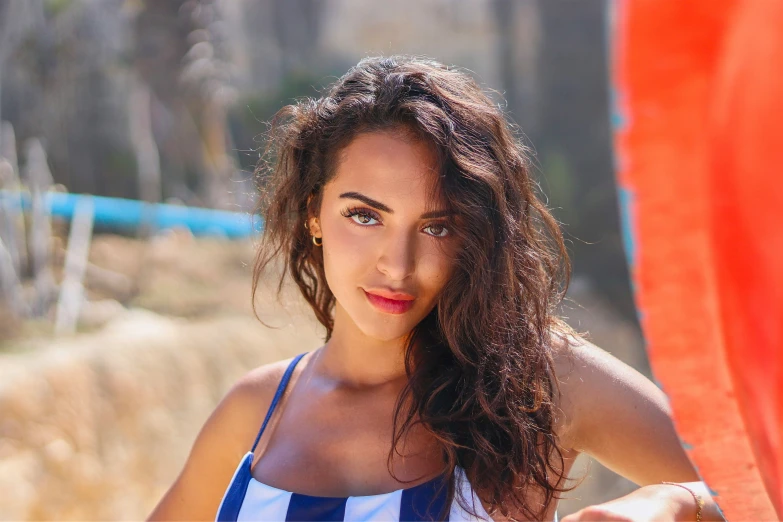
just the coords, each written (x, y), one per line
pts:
(397, 257)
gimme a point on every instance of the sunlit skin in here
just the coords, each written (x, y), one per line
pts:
(332, 434)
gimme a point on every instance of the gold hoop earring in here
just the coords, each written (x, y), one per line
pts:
(319, 242)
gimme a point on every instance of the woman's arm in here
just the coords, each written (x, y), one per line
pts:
(619, 417)
(197, 491)
(220, 445)
(653, 503)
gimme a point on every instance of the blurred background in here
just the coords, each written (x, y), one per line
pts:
(118, 338)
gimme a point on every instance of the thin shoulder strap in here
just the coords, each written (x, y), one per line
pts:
(278, 394)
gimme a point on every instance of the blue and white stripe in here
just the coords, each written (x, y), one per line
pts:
(248, 499)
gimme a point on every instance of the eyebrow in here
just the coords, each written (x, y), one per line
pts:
(383, 208)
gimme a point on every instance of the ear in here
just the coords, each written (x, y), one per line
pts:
(312, 222)
(314, 226)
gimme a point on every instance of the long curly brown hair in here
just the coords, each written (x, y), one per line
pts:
(480, 365)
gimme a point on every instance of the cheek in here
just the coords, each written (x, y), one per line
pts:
(435, 267)
(345, 255)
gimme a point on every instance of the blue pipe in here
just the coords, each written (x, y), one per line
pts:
(128, 214)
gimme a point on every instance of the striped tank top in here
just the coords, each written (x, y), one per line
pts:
(248, 499)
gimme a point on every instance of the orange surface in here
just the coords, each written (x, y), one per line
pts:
(699, 149)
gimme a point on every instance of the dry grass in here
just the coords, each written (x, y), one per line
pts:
(95, 426)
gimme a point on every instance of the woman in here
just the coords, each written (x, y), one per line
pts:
(403, 208)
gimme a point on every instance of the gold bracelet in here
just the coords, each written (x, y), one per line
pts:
(696, 497)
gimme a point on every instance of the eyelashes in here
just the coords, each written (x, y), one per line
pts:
(362, 213)
(365, 215)
(444, 231)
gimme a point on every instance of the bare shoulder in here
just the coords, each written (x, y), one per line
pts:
(257, 385)
(246, 402)
(577, 360)
(224, 438)
(618, 416)
(595, 384)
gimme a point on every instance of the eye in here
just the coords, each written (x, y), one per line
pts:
(361, 216)
(439, 230)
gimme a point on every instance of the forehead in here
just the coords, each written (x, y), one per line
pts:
(388, 166)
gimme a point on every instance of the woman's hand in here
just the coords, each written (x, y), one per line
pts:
(656, 502)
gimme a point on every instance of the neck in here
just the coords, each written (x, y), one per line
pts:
(353, 359)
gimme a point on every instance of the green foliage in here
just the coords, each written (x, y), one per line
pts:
(560, 186)
(55, 7)
(121, 163)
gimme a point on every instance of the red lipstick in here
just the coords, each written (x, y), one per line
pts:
(390, 302)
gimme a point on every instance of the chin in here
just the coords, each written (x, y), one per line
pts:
(384, 332)
(380, 326)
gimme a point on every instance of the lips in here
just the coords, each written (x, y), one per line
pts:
(390, 302)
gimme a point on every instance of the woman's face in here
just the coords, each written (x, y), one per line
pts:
(383, 235)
